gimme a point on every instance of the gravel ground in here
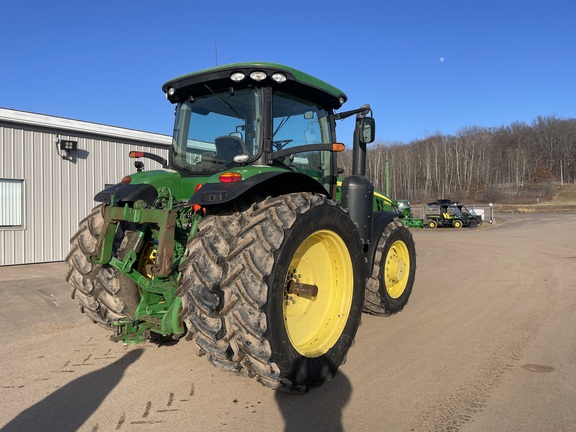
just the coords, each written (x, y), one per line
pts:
(487, 342)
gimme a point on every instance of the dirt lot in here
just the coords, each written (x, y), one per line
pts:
(487, 342)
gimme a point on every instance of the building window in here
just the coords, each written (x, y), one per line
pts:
(11, 199)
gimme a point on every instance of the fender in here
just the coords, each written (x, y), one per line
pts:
(380, 220)
(128, 194)
(268, 183)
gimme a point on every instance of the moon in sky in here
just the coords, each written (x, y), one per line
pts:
(441, 59)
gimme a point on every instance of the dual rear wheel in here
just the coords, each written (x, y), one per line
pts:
(286, 295)
(286, 289)
(101, 292)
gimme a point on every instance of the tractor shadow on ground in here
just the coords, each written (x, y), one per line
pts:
(318, 409)
(68, 408)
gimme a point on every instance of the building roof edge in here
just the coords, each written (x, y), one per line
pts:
(44, 120)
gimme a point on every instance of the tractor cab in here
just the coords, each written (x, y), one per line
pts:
(256, 114)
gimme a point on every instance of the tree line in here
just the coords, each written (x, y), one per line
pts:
(515, 162)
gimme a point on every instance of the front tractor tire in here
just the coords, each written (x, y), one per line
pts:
(390, 284)
(289, 302)
(102, 294)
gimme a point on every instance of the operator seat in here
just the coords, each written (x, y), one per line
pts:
(228, 146)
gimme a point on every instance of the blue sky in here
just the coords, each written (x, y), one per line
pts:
(425, 66)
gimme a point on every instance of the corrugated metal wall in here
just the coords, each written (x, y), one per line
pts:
(58, 193)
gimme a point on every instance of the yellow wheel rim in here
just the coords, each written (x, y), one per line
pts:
(397, 269)
(148, 256)
(314, 323)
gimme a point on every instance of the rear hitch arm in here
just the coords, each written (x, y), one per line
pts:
(165, 219)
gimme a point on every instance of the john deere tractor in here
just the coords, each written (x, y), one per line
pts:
(245, 243)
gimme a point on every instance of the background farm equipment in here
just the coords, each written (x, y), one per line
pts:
(406, 216)
(447, 213)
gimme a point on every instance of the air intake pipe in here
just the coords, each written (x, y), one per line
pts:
(357, 190)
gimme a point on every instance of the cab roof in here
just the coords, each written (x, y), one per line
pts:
(219, 78)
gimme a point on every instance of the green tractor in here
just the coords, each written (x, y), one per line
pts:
(246, 244)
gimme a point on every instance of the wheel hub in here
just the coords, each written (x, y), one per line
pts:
(318, 293)
(397, 269)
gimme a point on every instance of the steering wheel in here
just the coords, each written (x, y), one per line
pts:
(280, 144)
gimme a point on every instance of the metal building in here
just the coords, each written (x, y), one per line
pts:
(50, 170)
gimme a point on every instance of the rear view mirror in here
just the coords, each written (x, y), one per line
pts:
(368, 130)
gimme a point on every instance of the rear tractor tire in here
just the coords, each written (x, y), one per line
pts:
(103, 294)
(288, 304)
(390, 284)
(202, 271)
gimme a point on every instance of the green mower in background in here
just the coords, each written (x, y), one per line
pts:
(406, 216)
